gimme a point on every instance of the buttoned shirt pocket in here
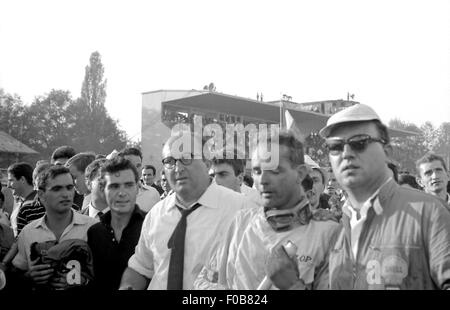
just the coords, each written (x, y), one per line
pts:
(340, 269)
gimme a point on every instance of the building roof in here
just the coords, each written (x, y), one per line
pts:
(10, 145)
(267, 111)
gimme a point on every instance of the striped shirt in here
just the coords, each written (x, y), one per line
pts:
(31, 210)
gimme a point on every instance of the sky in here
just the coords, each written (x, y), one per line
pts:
(393, 55)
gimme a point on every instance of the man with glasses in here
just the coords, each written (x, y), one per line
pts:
(181, 231)
(393, 237)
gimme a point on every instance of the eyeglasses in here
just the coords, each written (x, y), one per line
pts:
(169, 162)
(357, 143)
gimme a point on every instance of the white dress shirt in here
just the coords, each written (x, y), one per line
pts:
(205, 226)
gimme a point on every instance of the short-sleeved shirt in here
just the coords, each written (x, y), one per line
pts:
(37, 231)
(205, 226)
(404, 243)
(147, 197)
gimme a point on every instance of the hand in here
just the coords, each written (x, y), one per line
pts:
(40, 273)
(59, 282)
(4, 218)
(281, 269)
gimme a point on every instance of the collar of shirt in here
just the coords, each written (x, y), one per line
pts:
(31, 196)
(373, 201)
(137, 213)
(92, 211)
(77, 219)
(208, 199)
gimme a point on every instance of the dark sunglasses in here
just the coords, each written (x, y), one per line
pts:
(357, 143)
(169, 162)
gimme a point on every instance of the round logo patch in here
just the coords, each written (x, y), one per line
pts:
(394, 269)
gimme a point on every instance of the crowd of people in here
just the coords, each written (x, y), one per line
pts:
(82, 221)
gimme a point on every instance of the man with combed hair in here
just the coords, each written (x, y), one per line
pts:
(227, 169)
(180, 231)
(252, 251)
(148, 178)
(20, 181)
(147, 196)
(59, 224)
(113, 240)
(59, 157)
(77, 166)
(97, 205)
(393, 237)
(433, 176)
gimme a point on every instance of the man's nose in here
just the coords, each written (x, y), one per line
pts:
(347, 152)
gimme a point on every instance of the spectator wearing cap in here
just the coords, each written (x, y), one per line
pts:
(433, 176)
(393, 237)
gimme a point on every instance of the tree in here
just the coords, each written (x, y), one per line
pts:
(442, 145)
(430, 135)
(50, 122)
(406, 150)
(13, 117)
(93, 129)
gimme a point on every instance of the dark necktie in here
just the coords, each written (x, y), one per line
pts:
(176, 244)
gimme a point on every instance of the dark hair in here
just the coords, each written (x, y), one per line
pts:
(80, 161)
(238, 164)
(394, 170)
(322, 173)
(64, 151)
(92, 171)
(382, 130)
(2, 199)
(408, 179)
(428, 158)
(248, 180)
(130, 151)
(40, 167)
(307, 183)
(295, 147)
(119, 164)
(150, 167)
(51, 173)
(22, 169)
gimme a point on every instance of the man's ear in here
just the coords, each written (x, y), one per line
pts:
(241, 178)
(309, 194)
(419, 181)
(88, 184)
(302, 171)
(208, 163)
(40, 193)
(388, 150)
